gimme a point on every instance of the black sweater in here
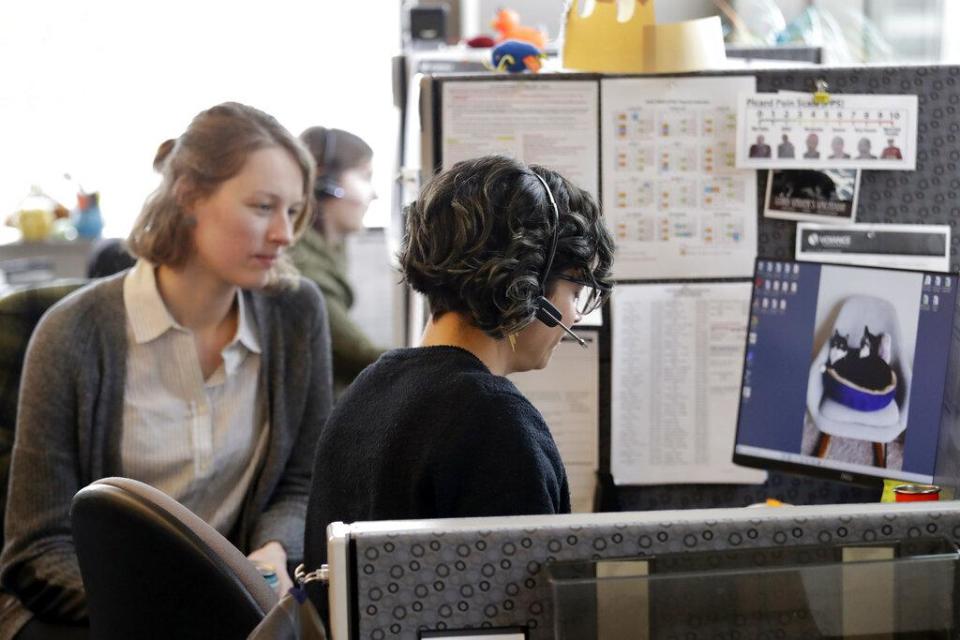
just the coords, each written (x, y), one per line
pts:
(430, 432)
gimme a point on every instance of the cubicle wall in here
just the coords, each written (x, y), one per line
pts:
(928, 195)
(397, 579)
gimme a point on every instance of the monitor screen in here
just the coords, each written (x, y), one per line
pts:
(844, 371)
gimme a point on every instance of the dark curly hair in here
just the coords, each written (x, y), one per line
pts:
(478, 238)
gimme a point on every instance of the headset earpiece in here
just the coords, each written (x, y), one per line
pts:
(326, 186)
(547, 313)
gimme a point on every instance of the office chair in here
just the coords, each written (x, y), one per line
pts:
(109, 256)
(153, 569)
(20, 311)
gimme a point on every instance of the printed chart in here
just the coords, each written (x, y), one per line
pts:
(852, 131)
(673, 195)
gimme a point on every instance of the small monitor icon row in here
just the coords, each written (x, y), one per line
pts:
(765, 266)
(773, 304)
(779, 286)
(944, 282)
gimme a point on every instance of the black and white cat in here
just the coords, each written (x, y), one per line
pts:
(877, 344)
(867, 364)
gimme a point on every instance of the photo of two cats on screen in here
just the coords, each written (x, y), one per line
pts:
(861, 370)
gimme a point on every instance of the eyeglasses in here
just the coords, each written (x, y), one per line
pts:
(591, 296)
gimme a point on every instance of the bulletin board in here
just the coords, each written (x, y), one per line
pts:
(928, 195)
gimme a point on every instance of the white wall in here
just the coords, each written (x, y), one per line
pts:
(790, 8)
(549, 13)
(951, 39)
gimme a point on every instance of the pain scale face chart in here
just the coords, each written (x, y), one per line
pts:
(673, 195)
(849, 131)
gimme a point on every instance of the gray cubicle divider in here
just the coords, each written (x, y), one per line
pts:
(396, 579)
(929, 195)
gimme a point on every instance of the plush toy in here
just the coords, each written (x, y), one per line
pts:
(507, 25)
(515, 56)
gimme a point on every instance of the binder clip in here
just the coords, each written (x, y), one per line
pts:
(821, 96)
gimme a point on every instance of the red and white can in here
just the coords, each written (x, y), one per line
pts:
(916, 492)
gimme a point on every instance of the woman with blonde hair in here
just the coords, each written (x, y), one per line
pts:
(204, 370)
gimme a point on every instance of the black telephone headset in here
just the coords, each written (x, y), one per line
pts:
(326, 186)
(547, 312)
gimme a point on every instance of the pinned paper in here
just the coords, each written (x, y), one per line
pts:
(609, 38)
(851, 131)
(693, 45)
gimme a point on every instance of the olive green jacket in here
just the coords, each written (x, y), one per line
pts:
(325, 264)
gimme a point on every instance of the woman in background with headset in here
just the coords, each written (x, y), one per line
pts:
(342, 195)
(507, 256)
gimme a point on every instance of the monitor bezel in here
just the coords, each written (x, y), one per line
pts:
(845, 476)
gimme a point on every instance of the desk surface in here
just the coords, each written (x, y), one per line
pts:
(36, 262)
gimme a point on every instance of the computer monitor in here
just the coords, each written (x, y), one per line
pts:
(845, 370)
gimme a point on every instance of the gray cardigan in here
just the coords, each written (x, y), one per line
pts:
(69, 426)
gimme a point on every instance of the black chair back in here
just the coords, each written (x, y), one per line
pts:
(153, 569)
(20, 311)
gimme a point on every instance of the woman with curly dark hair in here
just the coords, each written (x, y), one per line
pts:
(504, 253)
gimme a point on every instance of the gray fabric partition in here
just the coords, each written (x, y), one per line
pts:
(451, 575)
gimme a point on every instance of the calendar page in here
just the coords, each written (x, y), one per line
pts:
(850, 131)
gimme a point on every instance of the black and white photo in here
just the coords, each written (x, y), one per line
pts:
(826, 195)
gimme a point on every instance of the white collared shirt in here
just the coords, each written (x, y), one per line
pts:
(199, 441)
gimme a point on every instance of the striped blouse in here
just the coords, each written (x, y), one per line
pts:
(199, 441)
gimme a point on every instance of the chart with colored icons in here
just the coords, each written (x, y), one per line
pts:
(850, 131)
(673, 195)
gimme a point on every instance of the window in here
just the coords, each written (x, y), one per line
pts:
(92, 88)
